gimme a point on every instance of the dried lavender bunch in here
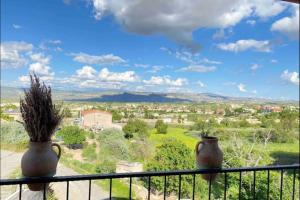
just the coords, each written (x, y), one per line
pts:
(40, 116)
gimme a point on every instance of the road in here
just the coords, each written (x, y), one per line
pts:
(77, 190)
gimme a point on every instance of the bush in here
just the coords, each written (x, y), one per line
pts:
(113, 145)
(12, 133)
(72, 136)
(161, 127)
(135, 127)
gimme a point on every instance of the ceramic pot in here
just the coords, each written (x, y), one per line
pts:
(209, 156)
(38, 161)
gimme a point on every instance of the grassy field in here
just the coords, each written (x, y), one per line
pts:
(283, 153)
(177, 133)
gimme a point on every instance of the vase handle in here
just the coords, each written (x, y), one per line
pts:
(197, 146)
(59, 149)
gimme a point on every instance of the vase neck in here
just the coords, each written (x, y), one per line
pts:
(39, 146)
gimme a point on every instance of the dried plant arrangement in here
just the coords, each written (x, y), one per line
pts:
(41, 117)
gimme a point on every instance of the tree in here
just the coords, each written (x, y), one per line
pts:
(72, 136)
(287, 119)
(172, 155)
(161, 127)
(135, 127)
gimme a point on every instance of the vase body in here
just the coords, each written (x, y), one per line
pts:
(209, 156)
(40, 160)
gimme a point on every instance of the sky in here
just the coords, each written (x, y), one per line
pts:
(245, 48)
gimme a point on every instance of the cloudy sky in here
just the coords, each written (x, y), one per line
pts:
(229, 47)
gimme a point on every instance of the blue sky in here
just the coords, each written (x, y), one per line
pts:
(235, 48)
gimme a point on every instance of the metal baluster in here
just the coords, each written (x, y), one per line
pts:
(20, 194)
(225, 186)
(90, 185)
(165, 187)
(294, 181)
(44, 193)
(149, 185)
(281, 183)
(110, 188)
(209, 188)
(254, 183)
(179, 189)
(194, 183)
(268, 189)
(130, 182)
(240, 186)
(67, 196)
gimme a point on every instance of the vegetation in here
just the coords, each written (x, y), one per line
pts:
(40, 116)
(161, 127)
(172, 155)
(135, 127)
(72, 136)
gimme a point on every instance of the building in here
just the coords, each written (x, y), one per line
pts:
(96, 119)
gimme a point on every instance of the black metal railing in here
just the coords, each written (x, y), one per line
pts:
(292, 169)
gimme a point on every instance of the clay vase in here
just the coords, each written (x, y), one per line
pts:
(40, 160)
(209, 156)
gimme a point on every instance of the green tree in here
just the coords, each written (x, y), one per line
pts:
(161, 127)
(172, 155)
(135, 127)
(287, 119)
(72, 136)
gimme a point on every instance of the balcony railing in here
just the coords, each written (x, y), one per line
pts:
(292, 169)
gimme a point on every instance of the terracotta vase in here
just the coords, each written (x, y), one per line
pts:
(209, 156)
(40, 160)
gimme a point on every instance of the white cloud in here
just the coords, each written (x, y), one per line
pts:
(13, 54)
(128, 76)
(243, 45)
(274, 61)
(16, 26)
(86, 72)
(292, 77)
(212, 62)
(178, 19)
(141, 65)
(242, 87)
(40, 69)
(41, 58)
(251, 22)
(201, 84)
(198, 68)
(288, 25)
(24, 79)
(254, 67)
(101, 59)
(165, 80)
(156, 68)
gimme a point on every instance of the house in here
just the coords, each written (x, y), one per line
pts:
(96, 119)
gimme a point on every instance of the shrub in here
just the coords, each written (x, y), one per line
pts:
(12, 133)
(161, 127)
(72, 136)
(135, 127)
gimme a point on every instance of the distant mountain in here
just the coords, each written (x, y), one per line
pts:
(130, 97)
(14, 94)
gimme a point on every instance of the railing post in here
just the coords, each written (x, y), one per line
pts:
(20, 193)
(110, 187)
(240, 186)
(194, 183)
(165, 187)
(90, 185)
(281, 183)
(179, 189)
